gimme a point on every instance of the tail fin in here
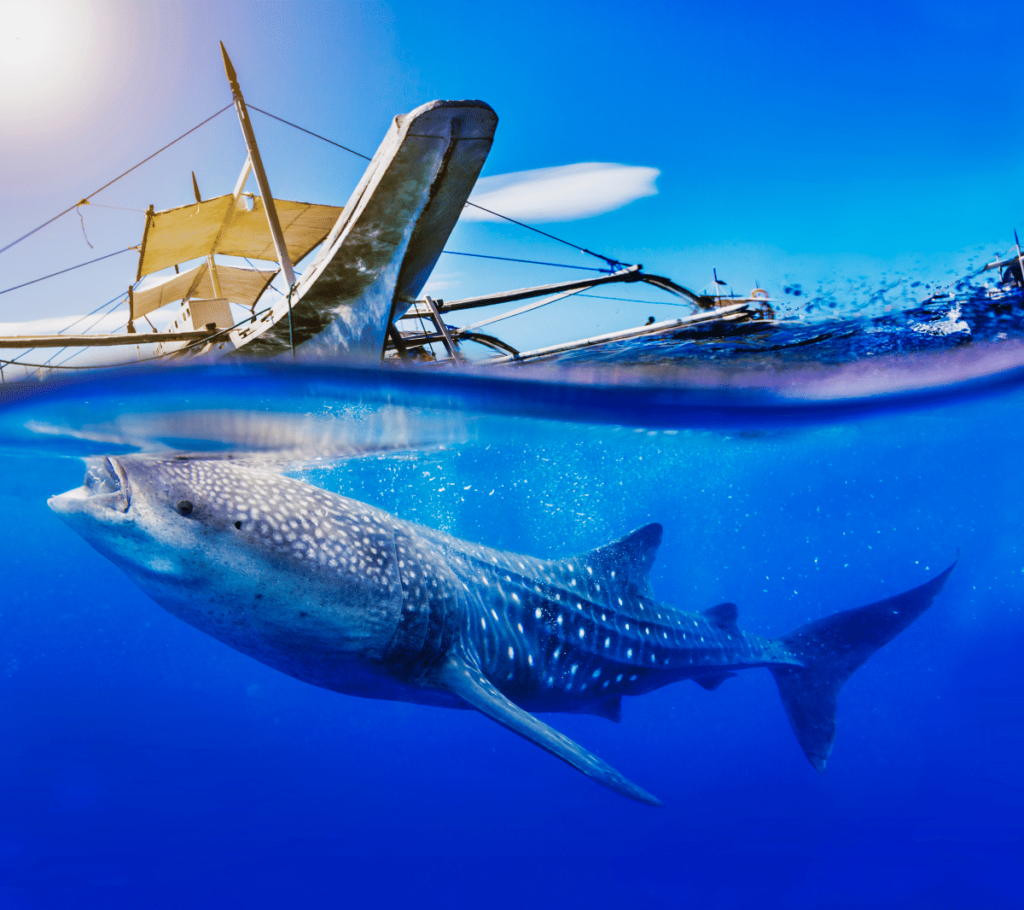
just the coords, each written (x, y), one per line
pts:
(831, 649)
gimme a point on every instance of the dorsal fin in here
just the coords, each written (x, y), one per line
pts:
(630, 558)
(724, 617)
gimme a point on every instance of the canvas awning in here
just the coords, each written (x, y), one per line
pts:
(227, 227)
(242, 286)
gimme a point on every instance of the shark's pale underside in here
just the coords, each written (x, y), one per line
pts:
(346, 596)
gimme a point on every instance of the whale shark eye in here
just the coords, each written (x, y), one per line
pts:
(238, 526)
(184, 507)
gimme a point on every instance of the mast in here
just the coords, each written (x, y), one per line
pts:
(210, 263)
(261, 176)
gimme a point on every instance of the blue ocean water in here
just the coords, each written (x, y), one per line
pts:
(145, 764)
(866, 321)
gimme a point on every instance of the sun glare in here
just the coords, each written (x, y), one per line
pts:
(47, 56)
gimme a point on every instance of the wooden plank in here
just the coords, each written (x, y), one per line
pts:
(83, 341)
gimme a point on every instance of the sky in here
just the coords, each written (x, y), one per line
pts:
(777, 143)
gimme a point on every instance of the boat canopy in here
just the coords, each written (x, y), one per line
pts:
(225, 225)
(230, 225)
(242, 286)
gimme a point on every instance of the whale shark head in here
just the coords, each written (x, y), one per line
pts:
(270, 565)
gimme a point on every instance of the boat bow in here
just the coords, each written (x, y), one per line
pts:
(380, 253)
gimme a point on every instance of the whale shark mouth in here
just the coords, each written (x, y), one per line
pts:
(105, 479)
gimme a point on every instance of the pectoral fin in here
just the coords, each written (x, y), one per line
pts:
(466, 681)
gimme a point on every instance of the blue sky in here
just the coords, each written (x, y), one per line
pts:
(794, 141)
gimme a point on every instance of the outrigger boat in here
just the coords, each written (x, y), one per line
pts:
(360, 295)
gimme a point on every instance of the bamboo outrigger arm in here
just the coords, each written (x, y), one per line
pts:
(630, 274)
(734, 312)
(419, 311)
(88, 341)
(731, 313)
(667, 284)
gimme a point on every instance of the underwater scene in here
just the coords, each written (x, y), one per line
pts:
(150, 761)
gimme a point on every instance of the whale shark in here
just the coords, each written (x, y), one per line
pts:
(343, 595)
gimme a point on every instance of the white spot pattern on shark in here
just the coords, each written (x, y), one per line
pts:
(348, 597)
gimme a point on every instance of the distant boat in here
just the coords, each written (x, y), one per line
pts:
(375, 256)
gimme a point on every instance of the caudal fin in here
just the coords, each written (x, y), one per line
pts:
(831, 649)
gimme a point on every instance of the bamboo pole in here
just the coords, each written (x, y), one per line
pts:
(732, 311)
(627, 274)
(82, 341)
(518, 311)
(261, 176)
(210, 264)
(443, 330)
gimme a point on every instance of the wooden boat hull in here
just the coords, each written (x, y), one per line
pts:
(378, 257)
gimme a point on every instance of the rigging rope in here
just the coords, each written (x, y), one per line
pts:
(688, 306)
(111, 182)
(111, 306)
(113, 366)
(73, 325)
(118, 208)
(613, 263)
(559, 265)
(78, 208)
(68, 328)
(252, 107)
(55, 366)
(112, 300)
(127, 249)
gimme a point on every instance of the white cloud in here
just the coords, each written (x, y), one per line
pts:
(108, 324)
(566, 193)
(112, 322)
